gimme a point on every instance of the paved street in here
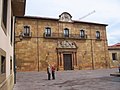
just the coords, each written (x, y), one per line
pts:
(69, 80)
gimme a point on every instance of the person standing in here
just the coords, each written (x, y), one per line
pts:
(49, 72)
(53, 72)
(119, 67)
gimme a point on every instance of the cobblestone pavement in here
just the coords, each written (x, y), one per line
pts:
(69, 80)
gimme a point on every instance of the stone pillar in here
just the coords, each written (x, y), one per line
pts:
(73, 61)
(62, 61)
(58, 62)
(61, 65)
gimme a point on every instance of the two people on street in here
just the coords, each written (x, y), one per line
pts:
(51, 72)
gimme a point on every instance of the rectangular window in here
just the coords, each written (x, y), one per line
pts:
(97, 35)
(4, 13)
(82, 34)
(3, 65)
(114, 56)
(66, 32)
(26, 31)
(48, 32)
(11, 37)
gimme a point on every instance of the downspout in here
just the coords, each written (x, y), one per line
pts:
(14, 21)
(93, 66)
(38, 48)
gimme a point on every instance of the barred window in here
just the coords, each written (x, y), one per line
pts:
(97, 35)
(82, 33)
(26, 31)
(48, 31)
(66, 32)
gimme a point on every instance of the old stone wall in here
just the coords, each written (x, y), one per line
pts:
(35, 52)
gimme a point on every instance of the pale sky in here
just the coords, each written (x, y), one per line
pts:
(106, 12)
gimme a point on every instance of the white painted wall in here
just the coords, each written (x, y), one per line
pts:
(5, 42)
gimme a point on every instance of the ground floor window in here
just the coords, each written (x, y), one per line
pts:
(114, 56)
(3, 65)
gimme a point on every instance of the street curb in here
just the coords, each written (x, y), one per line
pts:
(115, 74)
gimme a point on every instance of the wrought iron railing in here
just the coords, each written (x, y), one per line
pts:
(61, 35)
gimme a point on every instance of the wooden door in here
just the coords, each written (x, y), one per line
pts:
(67, 61)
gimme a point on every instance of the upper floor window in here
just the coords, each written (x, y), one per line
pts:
(11, 36)
(66, 32)
(4, 15)
(97, 35)
(82, 33)
(114, 56)
(48, 31)
(26, 31)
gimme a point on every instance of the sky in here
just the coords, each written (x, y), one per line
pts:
(106, 12)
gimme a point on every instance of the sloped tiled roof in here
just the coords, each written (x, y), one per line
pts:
(114, 47)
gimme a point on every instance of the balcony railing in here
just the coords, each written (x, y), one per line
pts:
(27, 35)
(61, 35)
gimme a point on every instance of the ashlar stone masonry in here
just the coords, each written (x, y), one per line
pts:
(68, 44)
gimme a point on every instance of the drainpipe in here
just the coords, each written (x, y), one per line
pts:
(38, 48)
(93, 66)
(14, 61)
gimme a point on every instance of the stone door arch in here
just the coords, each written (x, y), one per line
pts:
(66, 55)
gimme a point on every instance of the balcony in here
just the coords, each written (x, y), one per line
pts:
(27, 35)
(62, 36)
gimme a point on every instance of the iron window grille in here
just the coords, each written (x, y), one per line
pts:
(48, 32)
(82, 34)
(26, 31)
(97, 35)
(66, 32)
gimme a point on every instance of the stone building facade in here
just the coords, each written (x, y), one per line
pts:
(114, 53)
(63, 42)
